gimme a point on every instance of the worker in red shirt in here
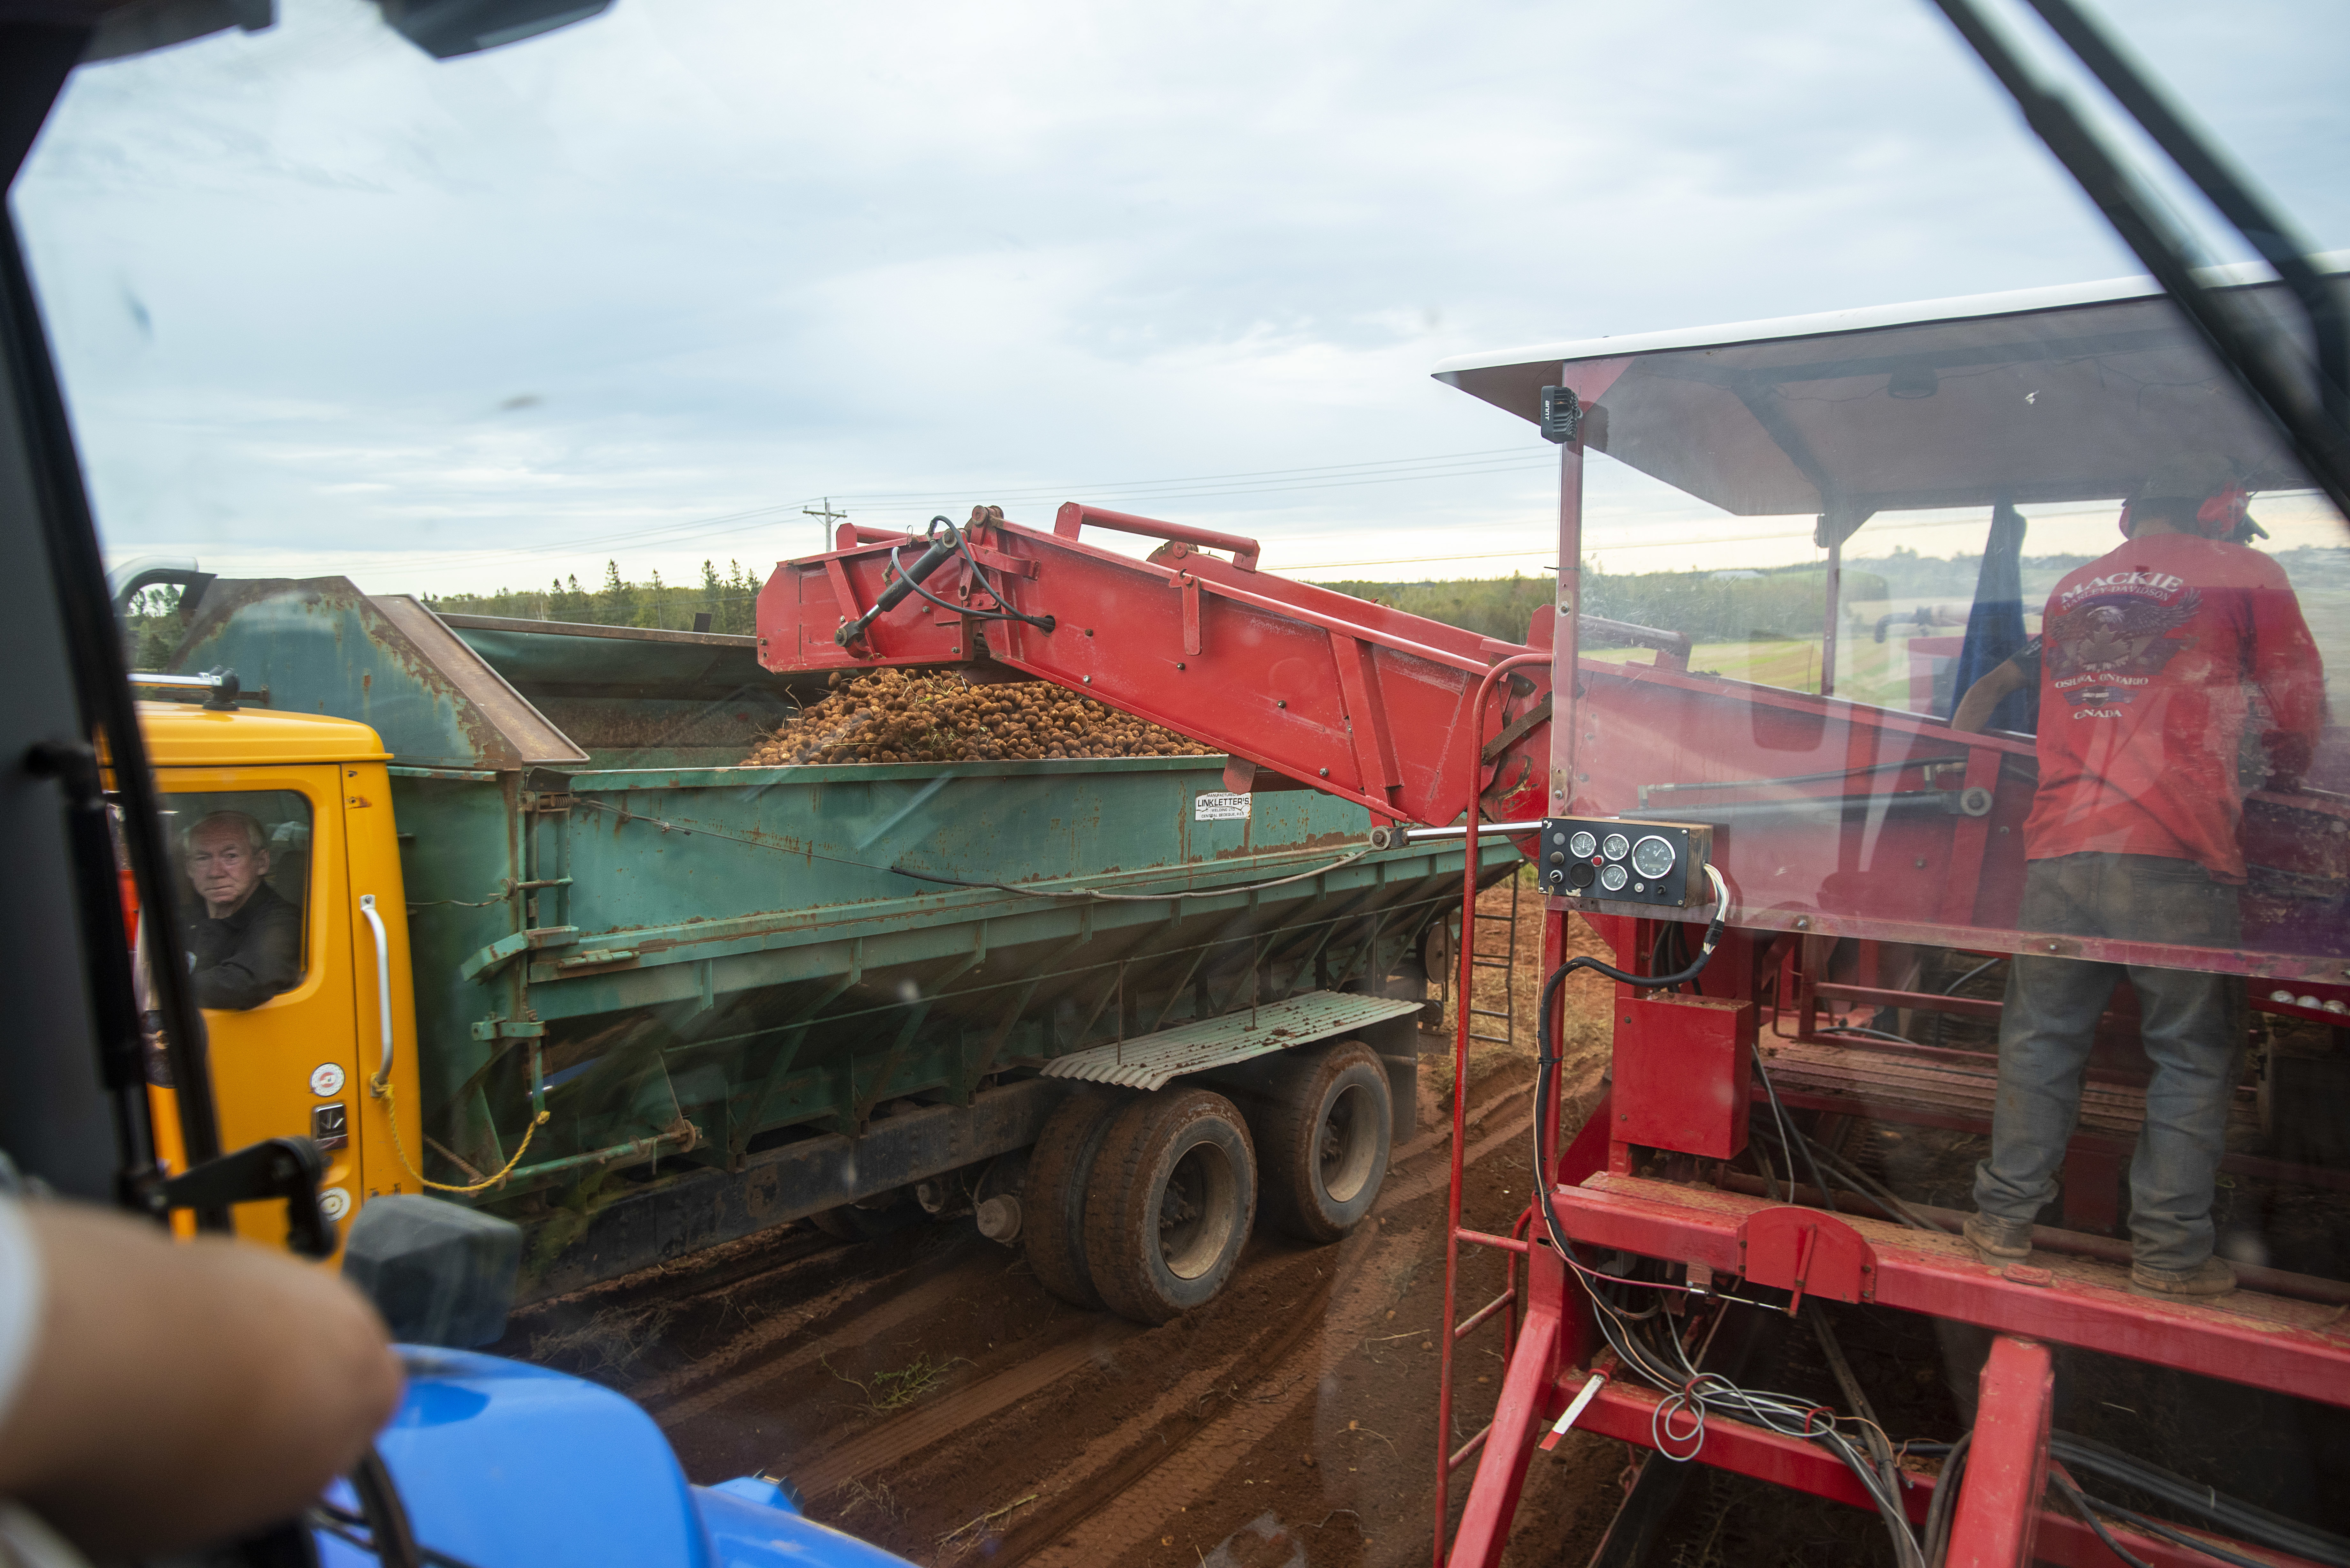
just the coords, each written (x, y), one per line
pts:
(2153, 664)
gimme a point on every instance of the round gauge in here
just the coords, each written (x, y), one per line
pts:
(1614, 845)
(1613, 879)
(1652, 857)
(1582, 846)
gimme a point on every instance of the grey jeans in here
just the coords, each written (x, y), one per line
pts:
(2189, 1028)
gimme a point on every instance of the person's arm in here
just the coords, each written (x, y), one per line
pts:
(2287, 667)
(266, 963)
(1983, 698)
(180, 1394)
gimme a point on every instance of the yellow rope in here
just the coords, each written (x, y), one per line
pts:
(392, 1108)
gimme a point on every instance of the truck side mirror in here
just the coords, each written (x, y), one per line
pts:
(438, 1272)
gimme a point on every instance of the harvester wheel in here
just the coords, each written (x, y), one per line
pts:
(1060, 1171)
(859, 1223)
(1322, 1136)
(1174, 1192)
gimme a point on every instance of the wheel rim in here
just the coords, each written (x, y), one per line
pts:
(1196, 1209)
(1346, 1144)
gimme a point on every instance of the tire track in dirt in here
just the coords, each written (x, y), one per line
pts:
(837, 1320)
(1107, 1470)
(911, 1433)
(1119, 1488)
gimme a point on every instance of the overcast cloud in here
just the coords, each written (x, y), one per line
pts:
(325, 305)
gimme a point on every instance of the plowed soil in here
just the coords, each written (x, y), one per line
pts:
(891, 716)
(923, 1391)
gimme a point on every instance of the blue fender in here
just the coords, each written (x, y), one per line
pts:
(506, 1465)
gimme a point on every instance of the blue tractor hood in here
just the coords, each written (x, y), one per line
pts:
(506, 1465)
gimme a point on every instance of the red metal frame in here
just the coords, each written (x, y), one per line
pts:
(2007, 1467)
(1394, 712)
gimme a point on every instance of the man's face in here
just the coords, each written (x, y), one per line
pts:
(225, 868)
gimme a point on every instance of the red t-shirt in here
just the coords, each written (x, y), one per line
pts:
(2154, 659)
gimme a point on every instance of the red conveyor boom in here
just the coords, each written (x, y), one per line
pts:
(1325, 691)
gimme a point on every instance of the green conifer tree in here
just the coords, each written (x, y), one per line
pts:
(616, 603)
(741, 601)
(713, 593)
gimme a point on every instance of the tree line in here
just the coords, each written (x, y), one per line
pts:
(1783, 602)
(731, 601)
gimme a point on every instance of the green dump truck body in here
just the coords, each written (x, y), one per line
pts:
(744, 994)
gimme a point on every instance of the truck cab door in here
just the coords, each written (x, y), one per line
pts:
(260, 855)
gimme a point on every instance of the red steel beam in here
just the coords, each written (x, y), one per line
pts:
(2007, 1467)
(2287, 1347)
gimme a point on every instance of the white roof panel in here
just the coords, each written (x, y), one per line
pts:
(2055, 394)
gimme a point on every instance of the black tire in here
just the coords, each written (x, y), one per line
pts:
(1060, 1174)
(1322, 1131)
(1174, 1192)
(856, 1222)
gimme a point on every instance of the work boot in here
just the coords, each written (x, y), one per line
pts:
(1998, 1241)
(2208, 1278)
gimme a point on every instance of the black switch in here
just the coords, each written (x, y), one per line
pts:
(329, 1126)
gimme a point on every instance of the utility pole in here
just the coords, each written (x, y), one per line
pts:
(829, 516)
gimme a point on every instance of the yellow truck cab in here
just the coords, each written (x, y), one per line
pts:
(310, 794)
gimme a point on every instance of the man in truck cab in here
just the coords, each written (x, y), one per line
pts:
(247, 945)
(2153, 664)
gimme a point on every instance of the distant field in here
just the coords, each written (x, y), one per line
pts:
(1793, 665)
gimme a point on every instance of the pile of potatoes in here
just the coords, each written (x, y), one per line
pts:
(900, 716)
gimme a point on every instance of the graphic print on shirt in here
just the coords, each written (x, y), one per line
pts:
(2103, 648)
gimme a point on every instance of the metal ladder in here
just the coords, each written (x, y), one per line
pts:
(1481, 956)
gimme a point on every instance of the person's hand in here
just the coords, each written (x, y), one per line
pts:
(181, 1394)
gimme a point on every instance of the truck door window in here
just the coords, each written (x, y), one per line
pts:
(243, 858)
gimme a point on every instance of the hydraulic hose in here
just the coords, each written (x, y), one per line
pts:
(1547, 1061)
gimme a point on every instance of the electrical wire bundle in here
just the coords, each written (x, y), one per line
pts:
(1676, 1426)
(2067, 1451)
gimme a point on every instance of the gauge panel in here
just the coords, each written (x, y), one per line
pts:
(1622, 861)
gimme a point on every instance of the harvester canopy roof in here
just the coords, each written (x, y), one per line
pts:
(2057, 394)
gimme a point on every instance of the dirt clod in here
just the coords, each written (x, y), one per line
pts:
(897, 716)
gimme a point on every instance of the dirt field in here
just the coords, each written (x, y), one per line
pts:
(923, 1391)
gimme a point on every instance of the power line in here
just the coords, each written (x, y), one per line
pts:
(1203, 486)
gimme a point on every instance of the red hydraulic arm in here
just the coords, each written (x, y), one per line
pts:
(1311, 686)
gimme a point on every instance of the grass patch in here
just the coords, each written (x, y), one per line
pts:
(887, 1392)
(606, 1345)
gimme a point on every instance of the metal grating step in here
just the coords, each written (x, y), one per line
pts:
(1150, 1061)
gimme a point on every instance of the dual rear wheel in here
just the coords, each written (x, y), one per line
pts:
(1141, 1202)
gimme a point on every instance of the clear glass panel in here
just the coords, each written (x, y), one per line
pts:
(2053, 700)
(243, 859)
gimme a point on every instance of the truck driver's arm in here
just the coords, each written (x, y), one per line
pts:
(175, 1395)
(266, 963)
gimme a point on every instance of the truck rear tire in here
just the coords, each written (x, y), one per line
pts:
(1174, 1192)
(1323, 1132)
(1060, 1173)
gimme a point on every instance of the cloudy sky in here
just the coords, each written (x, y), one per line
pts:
(645, 288)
